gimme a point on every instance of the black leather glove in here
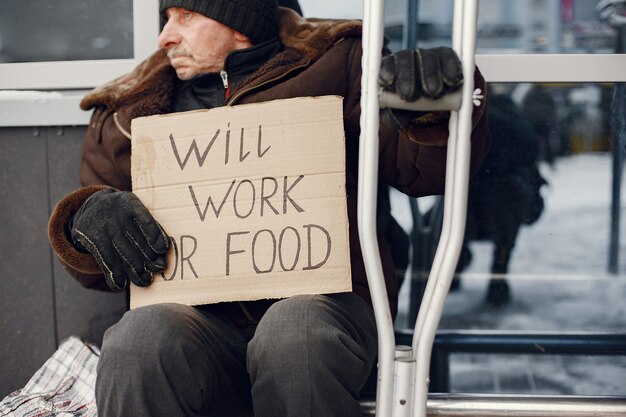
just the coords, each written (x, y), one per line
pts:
(117, 229)
(415, 73)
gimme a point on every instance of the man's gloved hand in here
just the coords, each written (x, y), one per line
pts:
(415, 73)
(117, 229)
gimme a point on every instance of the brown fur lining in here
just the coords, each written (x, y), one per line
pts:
(314, 37)
(147, 87)
(62, 246)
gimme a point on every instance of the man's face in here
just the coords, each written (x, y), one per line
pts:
(197, 44)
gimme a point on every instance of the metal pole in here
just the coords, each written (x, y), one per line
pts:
(524, 406)
(478, 405)
(619, 140)
(411, 24)
(367, 200)
(455, 203)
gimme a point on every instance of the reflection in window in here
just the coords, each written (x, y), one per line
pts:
(540, 237)
(65, 30)
(539, 207)
(539, 211)
(512, 26)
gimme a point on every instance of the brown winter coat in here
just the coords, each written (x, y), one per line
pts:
(321, 57)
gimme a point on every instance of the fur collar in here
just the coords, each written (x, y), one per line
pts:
(313, 37)
(309, 37)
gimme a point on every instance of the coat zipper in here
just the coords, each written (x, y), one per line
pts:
(232, 100)
(224, 77)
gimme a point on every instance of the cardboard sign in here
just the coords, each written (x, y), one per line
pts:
(253, 199)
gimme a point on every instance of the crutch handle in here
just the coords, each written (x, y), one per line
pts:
(451, 101)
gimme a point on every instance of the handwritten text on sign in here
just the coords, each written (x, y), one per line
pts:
(253, 199)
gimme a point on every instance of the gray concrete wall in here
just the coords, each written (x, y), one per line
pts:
(41, 304)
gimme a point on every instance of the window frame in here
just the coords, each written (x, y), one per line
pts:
(557, 68)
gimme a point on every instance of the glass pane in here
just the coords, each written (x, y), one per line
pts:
(545, 243)
(65, 30)
(539, 218)
(513, 26)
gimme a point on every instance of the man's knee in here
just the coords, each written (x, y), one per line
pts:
(309, 352)
(282, 328)
(147, 330)
(313, 328)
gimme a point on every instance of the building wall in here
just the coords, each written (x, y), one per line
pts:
(41, 304)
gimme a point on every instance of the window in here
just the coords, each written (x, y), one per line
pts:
(510, 26)
(68, 45)
(41, 31)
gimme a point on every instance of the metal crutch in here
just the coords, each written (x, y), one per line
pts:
(402, 388)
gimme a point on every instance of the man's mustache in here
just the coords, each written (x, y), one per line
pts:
(178, 51)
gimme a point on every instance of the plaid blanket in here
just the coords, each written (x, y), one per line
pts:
(62, 387)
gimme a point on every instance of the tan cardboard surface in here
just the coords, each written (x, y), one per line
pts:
(253, 199)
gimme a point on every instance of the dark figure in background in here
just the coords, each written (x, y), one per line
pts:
(539, 109)
(505, 193)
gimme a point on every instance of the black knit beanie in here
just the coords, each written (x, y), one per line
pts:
(257, 19)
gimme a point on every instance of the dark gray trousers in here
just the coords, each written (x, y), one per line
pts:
(308, 356)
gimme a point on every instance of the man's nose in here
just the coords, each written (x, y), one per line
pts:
(169, 36)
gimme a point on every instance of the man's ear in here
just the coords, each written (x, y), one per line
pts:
(241, 38)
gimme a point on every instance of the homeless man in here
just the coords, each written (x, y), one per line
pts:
(301, 356)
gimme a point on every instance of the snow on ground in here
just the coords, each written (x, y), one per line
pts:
(559, 280)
